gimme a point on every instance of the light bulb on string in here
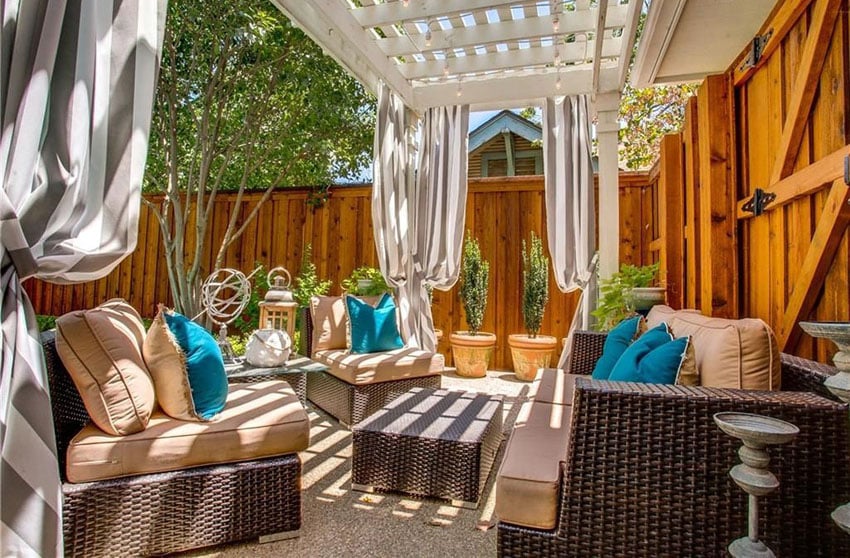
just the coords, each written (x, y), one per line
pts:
(446, 69)
(428, 36)
(558, 81)
(557, 56)
(405, 3)
(556, 23)
(459, 88)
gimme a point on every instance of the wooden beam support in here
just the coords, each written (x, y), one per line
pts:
(780, 22)
(810, 277)
(598, 41)
(690, 131)
(508, 138)
(807, 181)
(824, 15)
(671, 209)
(628, 42)
(718, 228)
(420, 10)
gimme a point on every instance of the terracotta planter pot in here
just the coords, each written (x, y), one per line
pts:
(439, 334)
(472, 353)
(531, 353)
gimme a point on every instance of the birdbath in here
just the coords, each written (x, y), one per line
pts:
(838, 384)
(752, 475)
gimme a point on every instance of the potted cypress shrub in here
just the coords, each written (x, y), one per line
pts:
(472, 349)
(531, 350)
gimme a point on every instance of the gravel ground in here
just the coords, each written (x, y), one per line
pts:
(340, 522)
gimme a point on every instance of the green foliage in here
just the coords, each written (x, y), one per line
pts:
(45, 322)
(377, 287)
(614, 301)
(648, 114)
(474, 281)
(307, 282)
(245, 97)
(250, 318)
(535, 284)
(238, 342)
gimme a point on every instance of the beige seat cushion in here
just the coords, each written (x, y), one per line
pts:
(740, 354)
(529, 480)
(260, 420)
(101, 349)
(552, 385)
(380, 367)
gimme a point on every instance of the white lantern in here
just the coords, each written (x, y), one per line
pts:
(268, 348)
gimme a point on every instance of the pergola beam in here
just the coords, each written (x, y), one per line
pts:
(598, 40)
(339, 34)
(537, 56)
(422, 10)
(513, 90)
(503, 32)
(627, 42)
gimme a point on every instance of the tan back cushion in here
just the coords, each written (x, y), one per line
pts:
(740, 354)
(330, 321)
(663, 313)
(101, 349)
(329, 329)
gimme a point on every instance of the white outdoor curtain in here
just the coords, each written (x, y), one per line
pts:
(77, 82)
(570, 206)
(419, 221)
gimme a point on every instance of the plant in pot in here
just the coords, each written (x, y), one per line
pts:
(627, 291)
(531, 350)
(366, 281)
(472, 349)
(307, 285)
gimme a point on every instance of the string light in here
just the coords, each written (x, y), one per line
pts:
(558, 81)
(557, 56)
(446, 69)
(405, 3)
(459, 88)
(556, 23)
(428, 35)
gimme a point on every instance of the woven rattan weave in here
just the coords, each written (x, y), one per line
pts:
(430, 443)
(646, 473)
(167, 512)
(350, 403)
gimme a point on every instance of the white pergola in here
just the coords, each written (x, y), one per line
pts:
(490, 54)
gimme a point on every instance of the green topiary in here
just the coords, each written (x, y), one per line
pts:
(474, 280)
(535, 285)
(377, 287)
(307, 282)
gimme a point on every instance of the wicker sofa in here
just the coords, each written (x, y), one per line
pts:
(159, 513)
(644, 471)
(355, 386)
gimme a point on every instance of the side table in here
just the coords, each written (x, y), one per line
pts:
(294, 372)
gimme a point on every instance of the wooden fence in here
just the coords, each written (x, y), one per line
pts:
(500, 213)
(780, 128)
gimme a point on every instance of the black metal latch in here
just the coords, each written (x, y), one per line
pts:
(756, 50)
(760, 200)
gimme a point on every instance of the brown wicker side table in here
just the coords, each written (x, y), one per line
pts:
(429, 442)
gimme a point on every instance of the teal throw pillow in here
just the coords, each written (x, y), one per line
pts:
(616, 343)
(373, 328)
(204, 365)
(626, 369)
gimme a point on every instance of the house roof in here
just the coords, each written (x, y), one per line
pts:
(502, 122)
(686, 40)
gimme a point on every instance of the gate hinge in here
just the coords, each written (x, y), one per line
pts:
(760, 200)
(756, 50)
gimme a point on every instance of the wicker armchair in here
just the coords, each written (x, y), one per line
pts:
(168, 512)
(646, 473)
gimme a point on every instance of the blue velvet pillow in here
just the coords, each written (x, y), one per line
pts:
(616, 343)
(373, 328)
(626, 369)
(204, 365)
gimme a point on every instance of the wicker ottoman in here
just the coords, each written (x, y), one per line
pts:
(429, 442)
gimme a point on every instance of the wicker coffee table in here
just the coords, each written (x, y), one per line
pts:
(429, 442)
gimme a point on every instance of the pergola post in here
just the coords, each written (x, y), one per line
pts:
(607, 128)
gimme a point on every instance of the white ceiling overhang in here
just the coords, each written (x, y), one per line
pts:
(485, 53)
(686, 40)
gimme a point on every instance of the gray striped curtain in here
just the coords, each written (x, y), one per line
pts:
(77, 81)
(570, 206)
(419, 222)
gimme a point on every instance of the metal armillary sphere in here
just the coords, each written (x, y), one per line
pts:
(224, 294)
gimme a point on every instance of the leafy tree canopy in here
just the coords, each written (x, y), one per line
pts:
(247, 100)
